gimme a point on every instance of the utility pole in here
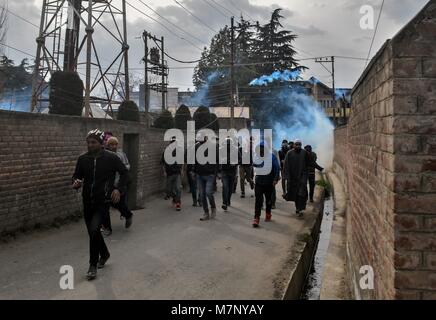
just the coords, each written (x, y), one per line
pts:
(163, 74)
(232, 75)
(334, 90)
(155, 64)
(146, 91)
(331, 60)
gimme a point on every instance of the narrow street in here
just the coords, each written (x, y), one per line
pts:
(165, 255)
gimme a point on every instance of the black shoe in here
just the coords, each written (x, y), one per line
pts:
(194, 204)
(102, 262)
(106, 232)
(224, 207)
(311, 200)
(129, 222)
(273, 206)
(243, 195)
(92, 273)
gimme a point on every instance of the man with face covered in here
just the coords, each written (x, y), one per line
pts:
(296, 172)
(95, 172)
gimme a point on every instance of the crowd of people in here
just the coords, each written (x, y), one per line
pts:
(103, 174)
(293, 165)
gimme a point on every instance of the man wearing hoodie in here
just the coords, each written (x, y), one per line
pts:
(264, 183)
(95, 172)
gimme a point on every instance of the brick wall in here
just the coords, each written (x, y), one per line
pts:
(37, 159)
(389, 160)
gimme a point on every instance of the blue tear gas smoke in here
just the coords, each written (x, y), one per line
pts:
(200, 97)
(286, 75)
(293, 114)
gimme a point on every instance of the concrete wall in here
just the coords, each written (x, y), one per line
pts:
(387, 156)
(37, 159)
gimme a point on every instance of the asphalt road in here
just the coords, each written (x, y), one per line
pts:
(165, 255)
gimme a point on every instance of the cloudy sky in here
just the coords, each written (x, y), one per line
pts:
(324, 28)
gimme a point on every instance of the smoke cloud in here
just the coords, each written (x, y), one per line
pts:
(292, 113)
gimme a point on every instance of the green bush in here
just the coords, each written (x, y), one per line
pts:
(183, 115)
(202, 118)
(164, 121)
(128, 111)
(66, 94)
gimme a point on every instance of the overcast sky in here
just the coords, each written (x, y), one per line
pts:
(324, 28)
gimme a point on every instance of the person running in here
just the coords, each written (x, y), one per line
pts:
(122, 206)
(295, 173)
(228, 171)
(173, 174)
(311, 170)
(282, 155)
(264, 184)
(206, 175)
(246, 169)
(95, 174)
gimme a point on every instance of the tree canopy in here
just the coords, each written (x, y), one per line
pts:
(259, 50)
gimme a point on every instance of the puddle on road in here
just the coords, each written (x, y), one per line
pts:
(314, 281)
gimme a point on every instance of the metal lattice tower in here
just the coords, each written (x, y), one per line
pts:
(73, 36)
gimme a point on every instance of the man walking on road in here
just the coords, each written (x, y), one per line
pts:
(282, 155)
(206, 175)
(95, 171)
(295, 173)
(264, 184)
(228, 171)
(173, 173)
(246, 169)
(311, 170)
(122, 206)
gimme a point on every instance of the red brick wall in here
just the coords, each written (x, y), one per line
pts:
(37, 159)
(390, 164)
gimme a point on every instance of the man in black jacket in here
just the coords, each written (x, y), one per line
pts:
(282, 155)
(206, 175)
(174, 175)
(228, 171)
(311, 170)
(95, 172)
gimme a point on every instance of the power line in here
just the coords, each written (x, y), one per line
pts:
(223, 7)
(375, 32)
(197, 18)
(173, 24)
(177, 60)
(218, 10)
(164, 26)
(242, 11)
(18, 50)
(19, 17)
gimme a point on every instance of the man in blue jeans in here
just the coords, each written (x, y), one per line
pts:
(228, 171)
(206, 175)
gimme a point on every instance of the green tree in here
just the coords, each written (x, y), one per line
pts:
(274, 46)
